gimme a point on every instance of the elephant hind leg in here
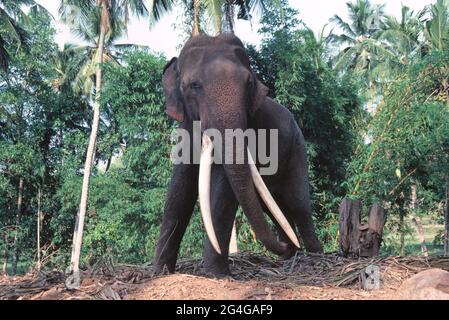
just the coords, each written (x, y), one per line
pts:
(282, 235)
(295, 197)
(299, 210)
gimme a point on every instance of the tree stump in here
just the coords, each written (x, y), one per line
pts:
(358, 239)
(349, 226)
(371, 237)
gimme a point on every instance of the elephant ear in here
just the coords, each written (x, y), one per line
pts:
(260, 92)
(174, 106)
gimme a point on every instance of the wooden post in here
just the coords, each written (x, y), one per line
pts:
(349, 226)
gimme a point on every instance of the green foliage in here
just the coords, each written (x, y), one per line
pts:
(406, 142)
(408, 134)
(126, 197)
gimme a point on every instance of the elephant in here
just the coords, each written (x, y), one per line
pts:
(211, 81)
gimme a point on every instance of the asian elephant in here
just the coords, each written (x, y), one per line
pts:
(211, 81)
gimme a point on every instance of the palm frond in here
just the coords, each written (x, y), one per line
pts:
(157, 8)
(215, 12)
(346, 28)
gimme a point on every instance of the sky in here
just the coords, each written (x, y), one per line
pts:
(165, 39)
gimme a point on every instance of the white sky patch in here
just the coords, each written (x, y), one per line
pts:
(165, 39)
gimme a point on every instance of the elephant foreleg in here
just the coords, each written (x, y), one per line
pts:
(223, 207)
(179, 205)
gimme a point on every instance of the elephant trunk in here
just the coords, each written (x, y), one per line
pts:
(239, 176)
(243, 179)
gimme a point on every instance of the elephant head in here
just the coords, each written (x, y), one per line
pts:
(212, 82)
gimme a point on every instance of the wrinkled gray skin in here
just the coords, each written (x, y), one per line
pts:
(212, 81)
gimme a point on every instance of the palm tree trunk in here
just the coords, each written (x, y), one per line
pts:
(446, 222)
(38, 266)
(196, 9)
(15, 255)
(229, 15)
(417, 221)
(401, 231)
(5, 252)
(79, 228)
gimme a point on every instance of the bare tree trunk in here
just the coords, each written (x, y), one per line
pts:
(15, 255)
(74, 281)
(402, 231)
(418, 225)
(196, 9)
(417, 222)
(233, 247)
(229, 15)
(108, 164)
(446, 222)
(5, 252)
(38, 266)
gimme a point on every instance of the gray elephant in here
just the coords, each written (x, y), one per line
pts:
(212, 82)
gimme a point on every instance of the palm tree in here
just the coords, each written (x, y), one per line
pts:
(12, 32)
(102, 19)
(403, 36)
(222, 12)
(244, 10)
(436, 29)
(359, 36)
(402, 39)
(363, 53)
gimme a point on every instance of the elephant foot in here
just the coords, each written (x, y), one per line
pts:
(218, 274)
(290, 252)
(217, 267)
(219, 271)
(314, 247)
(163, 269)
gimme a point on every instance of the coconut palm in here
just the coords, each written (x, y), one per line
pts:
(359, 35)
(104, 20)
(436, 29)
(363, 52)
(403, 36)
(13, 21)
(244, 9)
(222, 13)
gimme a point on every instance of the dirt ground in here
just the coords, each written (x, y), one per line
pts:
(304, 277)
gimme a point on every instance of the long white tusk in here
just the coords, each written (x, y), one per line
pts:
(204, 190)
(270, 202)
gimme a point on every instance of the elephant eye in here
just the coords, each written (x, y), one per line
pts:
(195, 86)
